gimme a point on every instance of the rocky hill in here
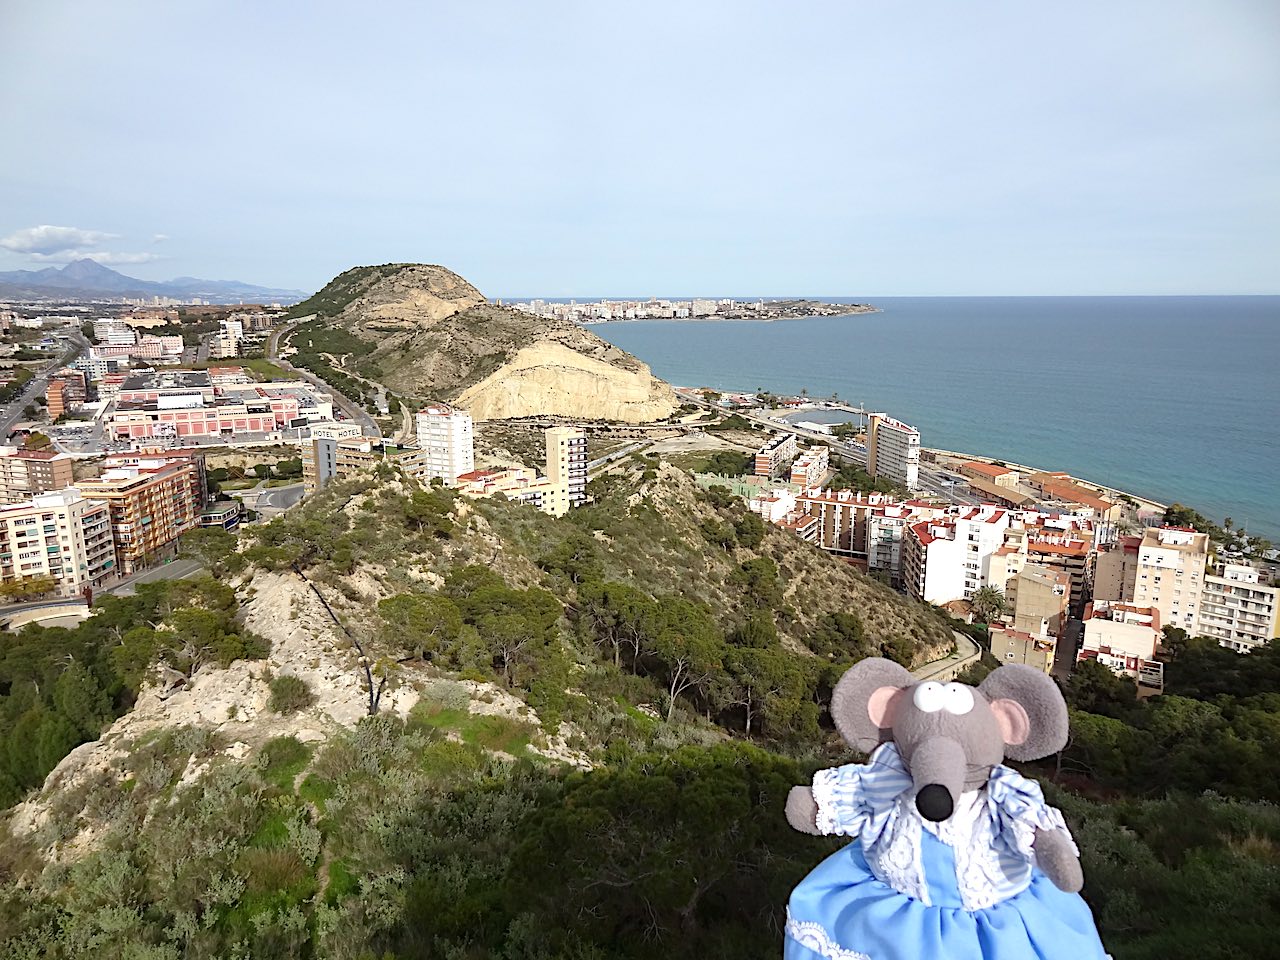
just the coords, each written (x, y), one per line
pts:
(426, 333)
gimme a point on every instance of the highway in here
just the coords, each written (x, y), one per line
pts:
(353, 410)
(11, 412)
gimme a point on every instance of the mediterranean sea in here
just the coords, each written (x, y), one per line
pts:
(1172, 398)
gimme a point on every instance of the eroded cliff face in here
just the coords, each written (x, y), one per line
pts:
(550, 378)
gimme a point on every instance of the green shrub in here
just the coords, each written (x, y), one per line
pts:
(290, 694)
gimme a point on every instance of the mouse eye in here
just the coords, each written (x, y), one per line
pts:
(957, 699)
(929, 696)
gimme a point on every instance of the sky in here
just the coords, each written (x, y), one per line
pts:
(853, 148)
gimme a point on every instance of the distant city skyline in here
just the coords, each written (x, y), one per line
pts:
(554, 150)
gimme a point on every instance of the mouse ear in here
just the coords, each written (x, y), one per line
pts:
(1030, 710)
(865, 700)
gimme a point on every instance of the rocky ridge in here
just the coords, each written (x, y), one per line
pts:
(436, 337)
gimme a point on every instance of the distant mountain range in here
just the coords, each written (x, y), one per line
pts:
(87, 279)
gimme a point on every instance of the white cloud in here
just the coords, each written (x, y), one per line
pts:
(51, 243)
(159, 237)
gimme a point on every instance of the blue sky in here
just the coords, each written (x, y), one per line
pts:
(562, 149)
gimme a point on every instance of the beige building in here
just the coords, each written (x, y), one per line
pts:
(26, 473)
(1116, 571)
(1238, 608)
(1038, 598)
(152, 503)
(329, 458)
(1170, 574)
(567, 467)
(996, 475)
(59, 535)
(810, 468)
(1009, 645)
(779, 451)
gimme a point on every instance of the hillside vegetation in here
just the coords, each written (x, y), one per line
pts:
(582, 737)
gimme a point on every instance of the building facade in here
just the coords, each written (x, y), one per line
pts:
(152, 503)
(779, 451)
(1170, 574)
(27, 473)
(1238, 609)
(61, 535)
(893, 450)
(567, 465)
(445, 441)
(1121, 636)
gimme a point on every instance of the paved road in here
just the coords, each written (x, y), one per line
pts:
(967, 652)
(280, 498)
(11, 413)
(1064, 657)
(353, 410)
(173, 570)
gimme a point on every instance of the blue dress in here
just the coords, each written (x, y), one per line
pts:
(964, 889)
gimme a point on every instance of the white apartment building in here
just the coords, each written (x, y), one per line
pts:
(950, 558)
(566, 468)
(1237, 609)
(1121, 636)
(446, 442)
(60, 535)
(893, 450)
(1170, 574)
(886, 527)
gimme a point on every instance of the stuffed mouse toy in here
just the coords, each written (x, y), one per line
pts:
(957, 856)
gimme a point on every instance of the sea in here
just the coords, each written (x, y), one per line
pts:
(1169, 398)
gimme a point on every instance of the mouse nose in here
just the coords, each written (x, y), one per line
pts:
(934, 802)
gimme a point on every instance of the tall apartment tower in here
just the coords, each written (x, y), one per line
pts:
(893, 450)
(567, 465)
(1170, 574)
(445, 439)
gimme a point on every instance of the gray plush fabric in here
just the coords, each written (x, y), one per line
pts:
(802, 810)
(1054, 857)
(1040, 698)
(949, 753)
(849, 700)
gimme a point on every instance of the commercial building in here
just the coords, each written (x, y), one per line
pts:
(224, 515)
(1121, 636)
(27, 473)
(1170, 574)
(445, 442)
(893, 450)
(60, 535)
(779, 451)
(1238, 608)
(166, 406)
(810, 468)
(152, 501)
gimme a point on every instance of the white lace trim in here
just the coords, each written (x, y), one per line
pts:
(828, 816)
(896, 860)
(814, 936)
